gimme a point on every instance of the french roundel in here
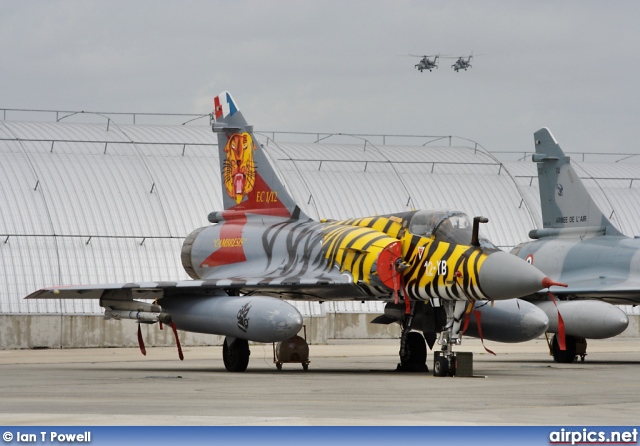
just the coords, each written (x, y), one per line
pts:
(529, 259)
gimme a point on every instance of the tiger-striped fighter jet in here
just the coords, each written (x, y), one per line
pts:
(262, 250)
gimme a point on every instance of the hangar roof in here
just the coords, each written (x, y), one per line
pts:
(99, 203)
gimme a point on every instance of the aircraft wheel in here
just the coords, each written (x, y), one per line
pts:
(567, 356)
(236, 356)
(441, 366)
(417, 358)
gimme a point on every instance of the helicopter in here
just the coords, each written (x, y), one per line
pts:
(462, 64)
(425, 63)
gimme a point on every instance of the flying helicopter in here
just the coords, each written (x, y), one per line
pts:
(462, 64)
(426, 63)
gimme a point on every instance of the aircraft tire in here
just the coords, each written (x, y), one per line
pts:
(441, 366)
(564, 356)
(416, 360)
(236, 356)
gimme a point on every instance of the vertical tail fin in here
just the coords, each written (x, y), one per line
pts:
(564, 199)
(249, 182)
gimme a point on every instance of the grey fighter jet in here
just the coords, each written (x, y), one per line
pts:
(262, 249)
(579, 246)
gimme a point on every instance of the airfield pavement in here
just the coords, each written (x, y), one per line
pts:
(348, 383)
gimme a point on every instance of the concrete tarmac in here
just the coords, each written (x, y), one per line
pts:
(348, 383)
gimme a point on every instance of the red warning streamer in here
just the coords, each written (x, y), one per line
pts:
(466, 316)
(407, 300)
(141, 341)
(547, 283)
(561, 337)
(175, 332)
(478, 316)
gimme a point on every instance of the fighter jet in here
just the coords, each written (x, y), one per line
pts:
(262, 249)
(578, 245)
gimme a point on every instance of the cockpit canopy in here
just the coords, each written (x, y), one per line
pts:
(446, 226)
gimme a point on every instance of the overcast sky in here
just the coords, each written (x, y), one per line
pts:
(337, 66)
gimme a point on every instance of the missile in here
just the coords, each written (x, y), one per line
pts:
(511, 320)
(141, 316)
(255, 318)
(591, 319)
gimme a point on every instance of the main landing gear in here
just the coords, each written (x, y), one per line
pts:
(574, 347)
(413, 348)
(235, 354)
(414, 358)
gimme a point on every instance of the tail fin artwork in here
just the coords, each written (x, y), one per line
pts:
(249, 182)
(564, 199)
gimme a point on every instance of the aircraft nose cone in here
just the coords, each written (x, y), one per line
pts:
(505, 276)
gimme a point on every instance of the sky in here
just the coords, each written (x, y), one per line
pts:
(340, 66)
